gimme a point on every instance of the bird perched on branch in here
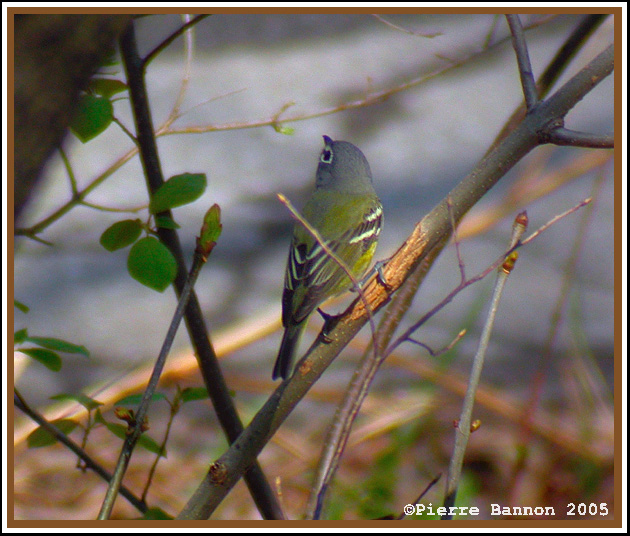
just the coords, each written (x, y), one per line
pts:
(346, 212)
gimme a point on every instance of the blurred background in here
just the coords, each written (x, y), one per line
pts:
(547, 388)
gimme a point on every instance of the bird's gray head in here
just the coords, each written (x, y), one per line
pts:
(343, 167)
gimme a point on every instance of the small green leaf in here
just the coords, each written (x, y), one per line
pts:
(177, 191)
(87, 402)
(20, 336)
(21, 306)
(107, 87)
(121, 234)
(58, 345)
(94, 114)
(211, 229)
(45, 357)
(119, 430)
(194, 393)
(134, 400)
(166, 223)
(42, 438)
(151, 263)
(151, 445)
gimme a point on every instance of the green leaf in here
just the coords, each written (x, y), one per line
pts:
(119, 430)
(45, 357)
(21, 306)
(177, 191)
(151, 263)
(87, 402)
(151, 445)
(42, 438)
(134, 400)
(121, 234)
(194, 393)
(106, 87)
(94, 114)
(20, 336)
(59, 345)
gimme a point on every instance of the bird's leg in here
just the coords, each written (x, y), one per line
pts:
(378, 268)
(331, 320)
(329, 324)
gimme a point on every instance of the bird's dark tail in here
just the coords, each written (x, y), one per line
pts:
(288, 348)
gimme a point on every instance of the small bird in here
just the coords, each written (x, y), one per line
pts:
(348, 215)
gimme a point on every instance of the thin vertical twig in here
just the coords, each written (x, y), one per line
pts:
(463, 428)
(522, 57)
(136, 430)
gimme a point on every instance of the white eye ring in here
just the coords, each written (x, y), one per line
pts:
(327, 155)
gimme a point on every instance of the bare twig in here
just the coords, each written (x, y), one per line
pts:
(463, 428)
(564, 136)
(522, 58)
(69, 171)
(435, 353)
(567, 52)
(103, 208)
(368, 100)
(166, 42)
(556, 67)
(460, 260)
(558, 104)
(424, 492)
(409, 32)
(555, 220)
(37, 228)
(174, 408)
(189, 46)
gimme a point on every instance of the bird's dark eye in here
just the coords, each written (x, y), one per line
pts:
(327, 156)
